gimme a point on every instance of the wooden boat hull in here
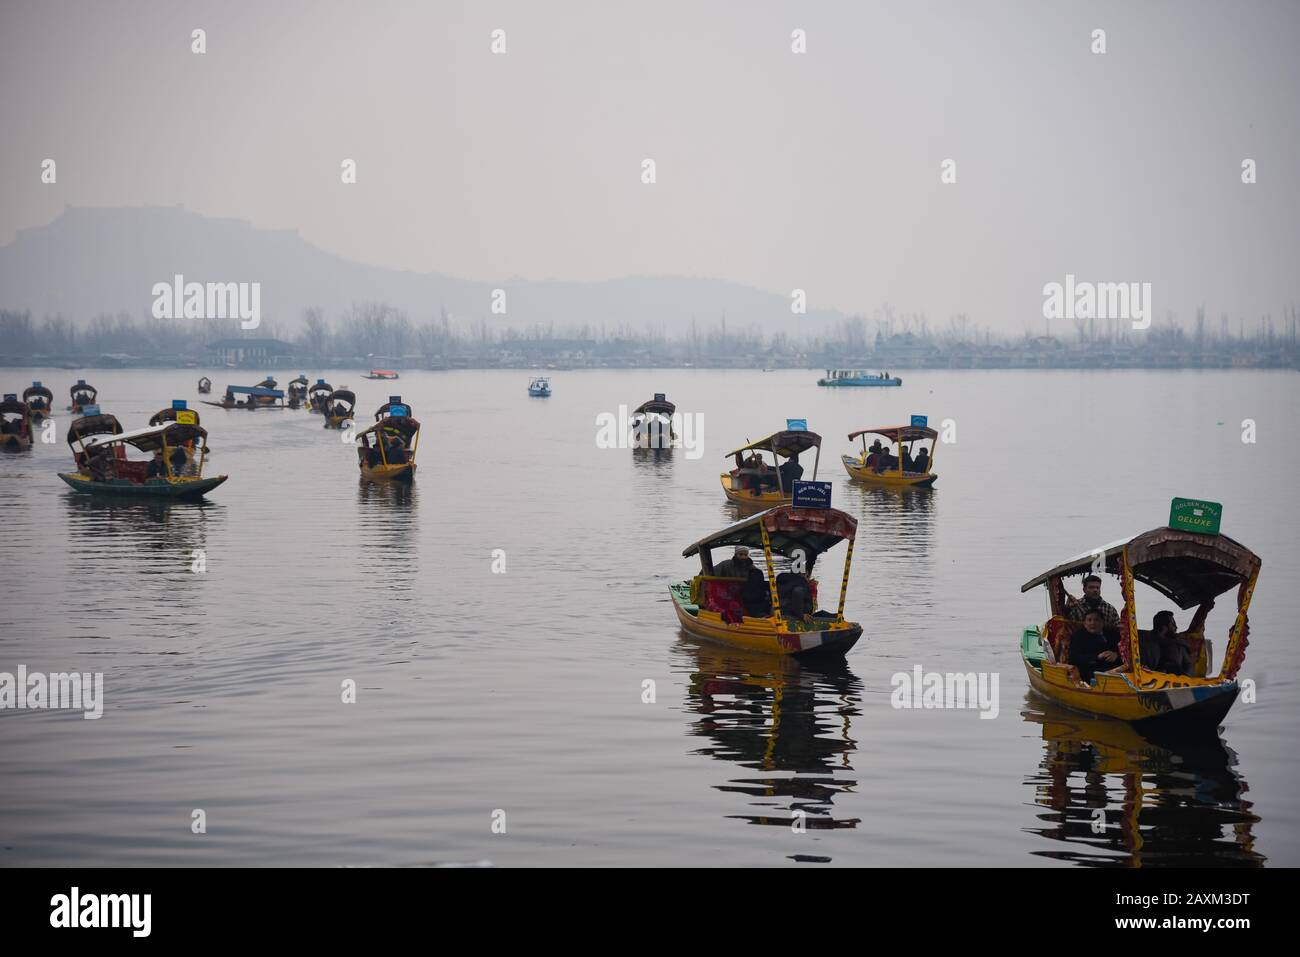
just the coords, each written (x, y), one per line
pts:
(336, 421)
(885, 479)
(764, 635)
(15, 443)
(389, 473)
(768, 498)
(154, 489)
(1173, 707)
(539, 393)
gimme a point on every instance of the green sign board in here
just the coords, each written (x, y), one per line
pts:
(1193, 515)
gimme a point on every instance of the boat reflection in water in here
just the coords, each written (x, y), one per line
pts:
(1179, 805)
(786, 721)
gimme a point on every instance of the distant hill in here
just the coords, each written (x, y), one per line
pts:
(90, 261)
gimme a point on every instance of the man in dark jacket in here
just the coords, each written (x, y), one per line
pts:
(1090, 649)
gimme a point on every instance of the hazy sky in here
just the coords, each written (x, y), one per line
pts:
(778, 170)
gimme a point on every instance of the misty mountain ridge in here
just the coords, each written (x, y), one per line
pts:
(92, 261)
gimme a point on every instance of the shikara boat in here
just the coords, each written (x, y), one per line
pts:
(753, 482)
(254, 397)
(382, 374)
(297, 392)
(1189, 568)
(339, 408)
(386, 450)
(712, 607)
(178, 411)
(95, 423)
(83, 394)
(317, 395)
(40, 400)
(15, 424)
(268, 383)
(652, 424)
(205, 385)
(539, 387)
(107, 471)
(897, 469)
(854, 377)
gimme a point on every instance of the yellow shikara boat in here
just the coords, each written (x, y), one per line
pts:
(15, 424)
(1190, 568)
(714, 608)
(317, 395)
(83, 395)
(386, 450)
(338, 408)
(40, 400)
(297, 392)
(877, 466)
(753, 483)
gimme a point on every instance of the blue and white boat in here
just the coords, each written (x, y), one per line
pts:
(540, 387)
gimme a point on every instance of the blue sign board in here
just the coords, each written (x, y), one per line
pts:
(399, 411)
(920, 421)
(796, 425)
(812, 494)
(179, 404)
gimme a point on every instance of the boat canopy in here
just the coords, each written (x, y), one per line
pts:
(82, 387)
(88, 425)
(658, 404)
(169, 415)
(812, 529)
(898, 433)
(321, 386)
(394, 401)
(301, 380)
(403, 425)
(784, 444)
(203, 379)
(147, 440)
(1186, 567)
(344, 395)
(10, 403)
(37, 389)
(255, 390)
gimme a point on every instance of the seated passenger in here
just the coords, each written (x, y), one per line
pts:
(1091, 650)
(908, 464)
(790, 471)
(179, 460)
(795, 593)
(922, 463)
(739, 565)
(1164, 649)
(397, 451)
(157, 468)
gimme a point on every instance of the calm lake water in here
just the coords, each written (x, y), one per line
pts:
(522, 691)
